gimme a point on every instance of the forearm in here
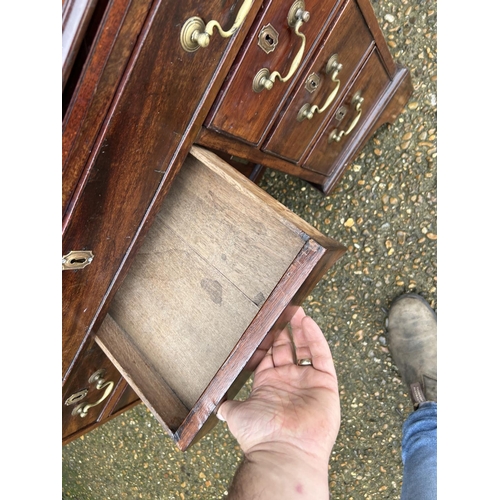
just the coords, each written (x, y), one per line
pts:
(274, 475)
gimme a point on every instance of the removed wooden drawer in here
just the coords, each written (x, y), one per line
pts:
(222, 270)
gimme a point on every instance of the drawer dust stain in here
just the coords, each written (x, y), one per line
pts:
(213, 288)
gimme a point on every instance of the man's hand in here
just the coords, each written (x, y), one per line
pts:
(290, 421)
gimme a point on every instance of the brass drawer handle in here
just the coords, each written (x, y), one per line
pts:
(357, 101)
(308, 110)
(196, 34)
(264, 79)
(98, 379)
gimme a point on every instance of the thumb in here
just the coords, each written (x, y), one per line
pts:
(226, 409)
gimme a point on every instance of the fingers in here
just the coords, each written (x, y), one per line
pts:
(266, 362)
(283, 350)
(306, 341)
(310, 342)
(225, 409)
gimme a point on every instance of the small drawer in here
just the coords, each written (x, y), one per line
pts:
(351, 119)
(88, 392)
(220, 272)
(322, 85)
(245, 112)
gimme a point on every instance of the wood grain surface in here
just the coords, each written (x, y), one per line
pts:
(211, 259)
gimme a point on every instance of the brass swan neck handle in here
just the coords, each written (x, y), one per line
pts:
(195, 33)
(264, 79)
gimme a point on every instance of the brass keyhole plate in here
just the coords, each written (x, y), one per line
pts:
(268, 38)
(341, 112)
(77, 259)
(312, 82)
(76, 397)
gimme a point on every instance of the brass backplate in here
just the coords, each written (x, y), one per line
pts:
(292, 13)
(268, 38)
(192, 25)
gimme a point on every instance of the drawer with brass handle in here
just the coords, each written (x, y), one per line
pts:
(88, 392)
(274, 54)
(350, 118)
(312, 122)
(324, 80)
(222, 269)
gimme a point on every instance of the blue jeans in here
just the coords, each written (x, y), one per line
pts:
(419, 454)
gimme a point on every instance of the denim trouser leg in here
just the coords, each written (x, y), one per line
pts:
(419, 454)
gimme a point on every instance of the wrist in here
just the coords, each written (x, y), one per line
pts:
(281, 471)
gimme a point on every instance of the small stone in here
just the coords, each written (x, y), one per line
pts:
(349, 222)
(389, 18)
(432, 236)
(413, 105)
(401, 235)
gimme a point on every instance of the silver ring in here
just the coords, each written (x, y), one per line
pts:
(305, 362)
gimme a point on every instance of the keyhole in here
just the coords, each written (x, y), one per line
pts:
(269, 39)
(314, 84)
(78, 261)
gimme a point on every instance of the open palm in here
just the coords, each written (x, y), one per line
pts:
(290, 404)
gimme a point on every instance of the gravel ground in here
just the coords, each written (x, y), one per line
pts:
(384, 211)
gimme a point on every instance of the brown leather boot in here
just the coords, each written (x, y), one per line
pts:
(412, 341)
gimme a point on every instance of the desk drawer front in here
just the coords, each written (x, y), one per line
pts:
(349, 41)
(245, 114)
(349, 119)
(94, 381)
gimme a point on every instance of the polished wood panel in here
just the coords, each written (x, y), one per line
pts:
(152, 121)
(239, 111)
(350, 40)
(97, 84)
(76, 16)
